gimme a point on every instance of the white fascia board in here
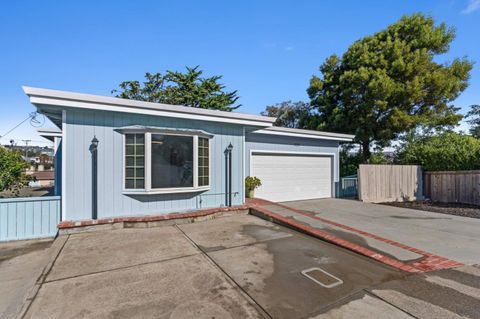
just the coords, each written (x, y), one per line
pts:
(49, 132)
(87, 101)
(320, 137)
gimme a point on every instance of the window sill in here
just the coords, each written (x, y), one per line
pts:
(167, 191)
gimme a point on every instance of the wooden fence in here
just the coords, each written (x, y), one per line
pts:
(453, 186)
(388, 183)
(29, 217)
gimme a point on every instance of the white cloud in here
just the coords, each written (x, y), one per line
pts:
(473, 5)
(291, 47)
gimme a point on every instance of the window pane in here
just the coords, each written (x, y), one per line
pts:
(129, 172)
(139, 183)
(140, 150)
(129, 139)
(134, 161)
(203, 161)
(172, 161)
(139, 139)
(129, 183)
(130, 150)
(139, 172)
(140, 161)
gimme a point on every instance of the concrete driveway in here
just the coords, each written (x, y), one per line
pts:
(231, 267)
(453, 237)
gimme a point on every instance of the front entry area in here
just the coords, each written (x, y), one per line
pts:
(292, 176)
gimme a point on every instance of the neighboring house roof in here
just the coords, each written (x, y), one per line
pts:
(49, 133)
(51, 102)
(276, 130)
(44, 175)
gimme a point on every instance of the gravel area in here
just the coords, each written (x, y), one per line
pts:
(457, 209)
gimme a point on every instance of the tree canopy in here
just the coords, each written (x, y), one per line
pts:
(12, 170)
(443, 152)
(474, 120)
(389, 83)
(177, 88)
(290, 114)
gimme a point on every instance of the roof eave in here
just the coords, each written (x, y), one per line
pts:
(303, 134)
(40, 97)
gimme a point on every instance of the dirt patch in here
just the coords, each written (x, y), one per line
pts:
(456, 209)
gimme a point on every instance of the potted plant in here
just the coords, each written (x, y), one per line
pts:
(251, 183)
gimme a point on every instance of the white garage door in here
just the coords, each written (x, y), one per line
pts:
(292, 177)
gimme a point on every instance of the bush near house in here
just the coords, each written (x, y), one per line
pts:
(12, 170)
(447, 151)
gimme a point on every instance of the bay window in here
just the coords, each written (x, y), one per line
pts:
(162, 162)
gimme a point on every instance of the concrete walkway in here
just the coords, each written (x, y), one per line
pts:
(236, 266)
(453, 237)
(21, 264)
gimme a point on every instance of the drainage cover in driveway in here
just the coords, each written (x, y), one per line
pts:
(322, 277)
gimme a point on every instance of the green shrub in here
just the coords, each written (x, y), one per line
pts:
(252, 182)
(12, 170)
(448, 151)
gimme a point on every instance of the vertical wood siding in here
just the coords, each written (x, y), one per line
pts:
(388, 183)
(29, 217)
(82, 125)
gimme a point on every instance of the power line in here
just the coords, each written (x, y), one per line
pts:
(31, 115)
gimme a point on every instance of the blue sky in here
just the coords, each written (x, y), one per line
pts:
(267, 50)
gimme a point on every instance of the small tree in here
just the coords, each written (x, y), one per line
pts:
(177, 88)
(474, 120)
(291, 114)
(443, 152)
(349, 160)
(12, 170)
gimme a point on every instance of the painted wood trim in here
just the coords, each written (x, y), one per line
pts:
(64, 165)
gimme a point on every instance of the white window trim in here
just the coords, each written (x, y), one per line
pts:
(148, 190)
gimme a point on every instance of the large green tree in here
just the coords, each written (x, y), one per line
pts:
(12, 170)
(389, 83)
(177, 88)
(448, 151)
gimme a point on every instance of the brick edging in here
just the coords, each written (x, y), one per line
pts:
(429, 261)
(149, 218)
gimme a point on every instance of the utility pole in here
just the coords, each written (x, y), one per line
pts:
(26, 147)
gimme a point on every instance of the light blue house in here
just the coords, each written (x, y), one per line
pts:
(155, 158)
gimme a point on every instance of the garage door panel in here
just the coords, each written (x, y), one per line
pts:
(292, 177)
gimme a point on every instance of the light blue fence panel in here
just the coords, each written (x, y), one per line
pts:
(29, 217)
(348, 187)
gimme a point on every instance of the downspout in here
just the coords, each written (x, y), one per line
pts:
(94, 151)
(228, 175)
(230, 148)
